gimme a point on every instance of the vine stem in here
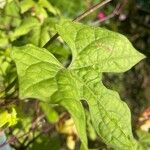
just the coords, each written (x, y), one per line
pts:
(115, 12)
(91, 10)
(80, 17)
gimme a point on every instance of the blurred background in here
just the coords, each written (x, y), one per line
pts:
(41, 126)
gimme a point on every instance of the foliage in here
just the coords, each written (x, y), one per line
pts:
(42, 77)
(65, 77)
(8, 118)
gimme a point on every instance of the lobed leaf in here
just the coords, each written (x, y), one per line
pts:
(97, 50)
(94, 50)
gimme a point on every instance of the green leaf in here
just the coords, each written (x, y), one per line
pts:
(37, 69)
(45, 142)
(94, 50)
(34, 36)
(68, 95)
(27, 25)
(70, 7)
(40, 77)
(111, 117)
(99, 48)
(50, 113)
(8, 118)
(26, 5)
(11, 16)
(144, 138)
(46, 4)
(60, 52)
(3, 39)
(45, 36)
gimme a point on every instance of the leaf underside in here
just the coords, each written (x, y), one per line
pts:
(94, 50)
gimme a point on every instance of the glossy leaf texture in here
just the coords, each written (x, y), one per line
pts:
(94, 50)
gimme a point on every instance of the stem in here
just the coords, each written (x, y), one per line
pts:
(115, 12)
(80, 17)
(91, 10)
(30, 142)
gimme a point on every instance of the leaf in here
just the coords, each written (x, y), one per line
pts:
(40, 77)
(45, 36)
(60, 52)
(34, 36)
(144, 138)
(90, 129)
(26, 5)
(46, 4)
(94, 50)
(11, 15)
(68, 95)
(110, 116)
(8, 118)
(27, 25)
(45, 142)
(99, 48)
(70, 8)
(37, 69)
(50, 113)
(3, 40)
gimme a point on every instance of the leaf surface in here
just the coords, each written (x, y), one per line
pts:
(37, 69)
(40, 77)
(99, 48)
(94, 50)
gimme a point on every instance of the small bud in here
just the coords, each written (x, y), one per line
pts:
(101, 15)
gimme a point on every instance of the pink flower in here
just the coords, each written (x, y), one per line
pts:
(101, 15)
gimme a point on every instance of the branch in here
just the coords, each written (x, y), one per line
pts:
(115, 12)
(80, 17)
(30, 142)
(91, 10)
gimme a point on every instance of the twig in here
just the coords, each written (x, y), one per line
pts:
(34, 125)
(115, 12)
(39, 118)
(80, 17)
(91, 10)
(30, 142)
(11, 101)
(14, 139)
